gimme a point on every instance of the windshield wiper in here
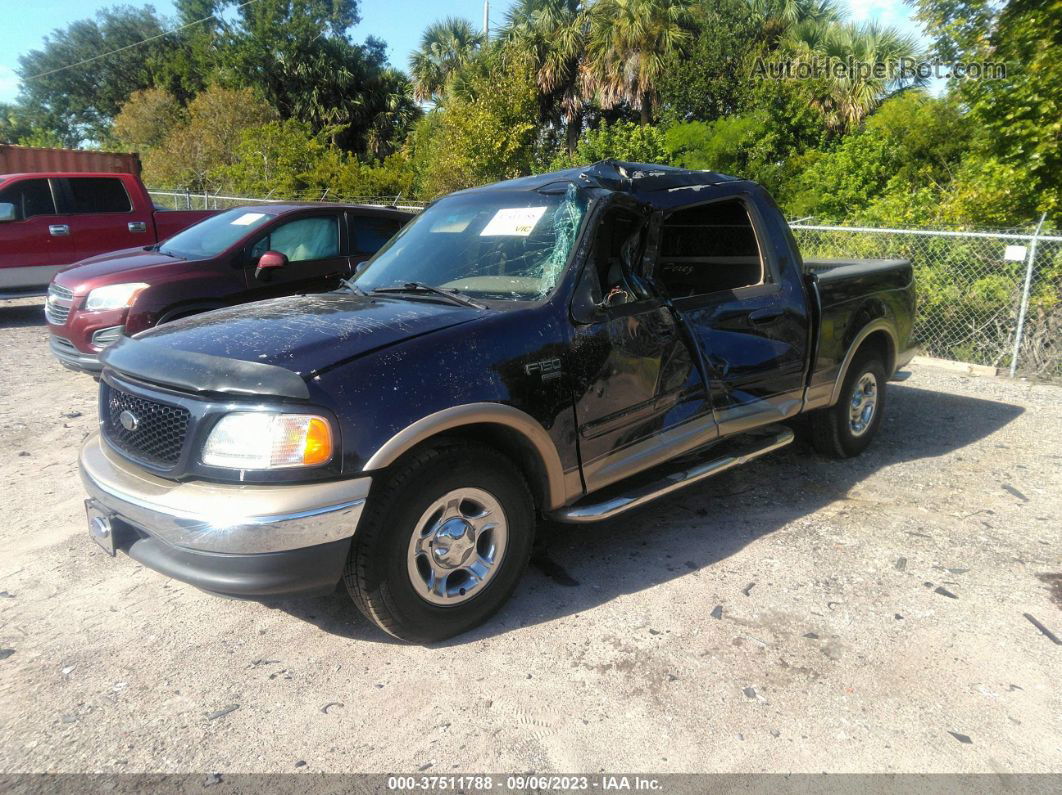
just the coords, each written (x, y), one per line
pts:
(350, 285)
(454, 296)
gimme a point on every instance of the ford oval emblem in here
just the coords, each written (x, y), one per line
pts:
(128, 420)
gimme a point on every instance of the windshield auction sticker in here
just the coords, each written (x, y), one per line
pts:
(513, 221)
(247, 219)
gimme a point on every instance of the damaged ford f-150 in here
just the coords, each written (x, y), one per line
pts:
(570, 345)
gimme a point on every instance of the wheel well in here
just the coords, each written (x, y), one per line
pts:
(881, 343)
(511, 443)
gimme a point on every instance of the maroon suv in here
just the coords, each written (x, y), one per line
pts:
(244, 254)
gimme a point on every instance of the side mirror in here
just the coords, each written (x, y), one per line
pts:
(269, 261)
(7, 212)
(359, 266)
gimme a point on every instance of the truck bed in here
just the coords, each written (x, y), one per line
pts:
(842, 280)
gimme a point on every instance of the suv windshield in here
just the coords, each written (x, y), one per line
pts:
(210, 237)
(510, 245)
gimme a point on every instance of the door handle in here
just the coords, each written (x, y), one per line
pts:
(58, 230)
(765, 315)
(137, 226)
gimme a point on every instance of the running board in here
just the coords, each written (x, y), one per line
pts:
(623, 497)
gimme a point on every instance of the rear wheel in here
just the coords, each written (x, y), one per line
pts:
(847, 428)
(443, 543)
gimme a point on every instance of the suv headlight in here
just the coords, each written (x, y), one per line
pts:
(268, 440)
(113, 296)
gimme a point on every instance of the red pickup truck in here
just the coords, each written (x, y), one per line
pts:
(51, 220)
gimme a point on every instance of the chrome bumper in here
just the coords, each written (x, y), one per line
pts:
(223, 518)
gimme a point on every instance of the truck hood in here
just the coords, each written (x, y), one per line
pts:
(116, 266)
(305, 334)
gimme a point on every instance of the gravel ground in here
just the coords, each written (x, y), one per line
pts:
(795, 615)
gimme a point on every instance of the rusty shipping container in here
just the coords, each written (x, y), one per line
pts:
(21, 159)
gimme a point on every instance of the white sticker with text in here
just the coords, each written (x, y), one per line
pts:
(247, 219)
(517, 221)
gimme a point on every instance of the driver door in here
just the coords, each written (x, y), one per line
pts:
(639, 394)
(315, 246)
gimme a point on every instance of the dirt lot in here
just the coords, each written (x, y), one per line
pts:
(797, 615)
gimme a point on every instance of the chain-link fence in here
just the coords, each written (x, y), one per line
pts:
(970, 289)
(971, 285)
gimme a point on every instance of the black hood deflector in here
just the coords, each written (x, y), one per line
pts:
(201, 372)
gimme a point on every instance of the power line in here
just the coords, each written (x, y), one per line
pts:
(131, 46)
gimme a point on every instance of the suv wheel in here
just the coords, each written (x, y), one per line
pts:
(847, 428)
(443, 544)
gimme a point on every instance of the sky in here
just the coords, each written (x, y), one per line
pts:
(397, 22)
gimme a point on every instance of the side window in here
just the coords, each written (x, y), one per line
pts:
(98, 195)
(371, 233)
(31, 197)
(618, 248)
(709, 249)
(302, 240)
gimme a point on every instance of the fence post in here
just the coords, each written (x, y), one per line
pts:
(1025, 296)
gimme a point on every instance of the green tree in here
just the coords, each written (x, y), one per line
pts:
(844, 100)
(15, 123)
(897, 169)
(72, 90)
(1021, 112)
(484, 133)
(194, 155)
(553, 33)
(775, 19)
(622, 140)
(710, 77)
(445, 47)
(393, 112)
(272, 159)
(147, 117)
(629, 43)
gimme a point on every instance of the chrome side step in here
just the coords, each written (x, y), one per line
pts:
(623, 497)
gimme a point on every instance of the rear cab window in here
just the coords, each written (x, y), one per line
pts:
(709, 249)
(30, 197)
(97, 195)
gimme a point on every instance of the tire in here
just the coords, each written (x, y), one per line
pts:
(838, 431)
(429, 518)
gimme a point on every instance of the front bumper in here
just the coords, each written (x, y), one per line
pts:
(251, 541)
(69, 356)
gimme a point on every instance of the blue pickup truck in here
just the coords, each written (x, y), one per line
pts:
(571, 345)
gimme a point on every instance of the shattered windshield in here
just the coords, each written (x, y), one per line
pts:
(509, 245)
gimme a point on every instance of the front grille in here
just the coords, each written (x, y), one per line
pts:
(57, 308)
(157, 432)
(65, 344)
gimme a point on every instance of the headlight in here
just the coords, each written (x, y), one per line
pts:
(113, 296)
(265, 440)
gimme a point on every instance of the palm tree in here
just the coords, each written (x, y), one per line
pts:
(394, 112)
(777, 17)
(845, 100)
(629, 42)
(553, 33)
(445, 46)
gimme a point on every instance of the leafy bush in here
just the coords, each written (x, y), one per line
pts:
(622, 140)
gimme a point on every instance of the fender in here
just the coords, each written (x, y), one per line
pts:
(478, 414)
(881, 324)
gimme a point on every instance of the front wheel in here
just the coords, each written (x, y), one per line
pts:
(443, 544)
(847, 428)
